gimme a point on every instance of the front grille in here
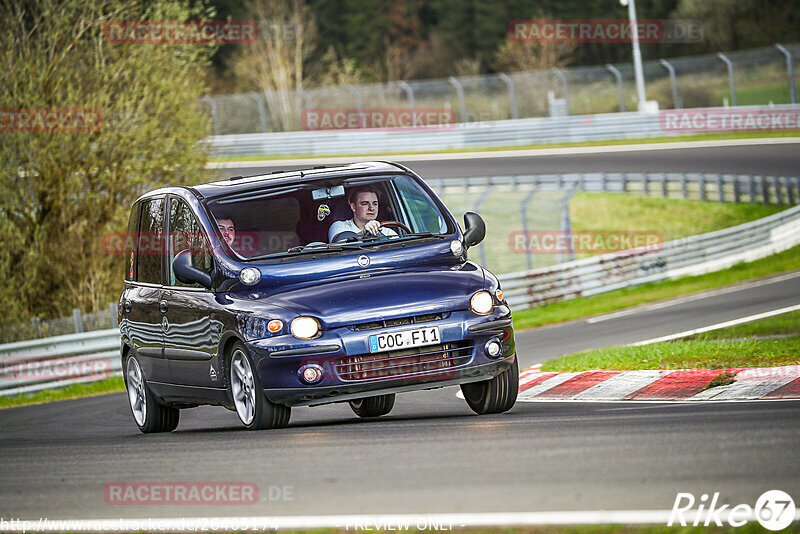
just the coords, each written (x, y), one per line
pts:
(414, 319)
(404, 362)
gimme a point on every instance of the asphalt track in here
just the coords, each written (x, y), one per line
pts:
(431, 454)
(761, 159)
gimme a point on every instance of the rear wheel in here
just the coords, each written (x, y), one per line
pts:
(255, 411)
(149, 414)
(497, 395)
(373, 406)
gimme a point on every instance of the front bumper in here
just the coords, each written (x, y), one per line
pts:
(278, 360)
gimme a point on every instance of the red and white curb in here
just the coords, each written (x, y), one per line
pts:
(659, 385)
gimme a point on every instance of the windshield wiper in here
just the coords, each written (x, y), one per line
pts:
(385, 240)
(295, 251)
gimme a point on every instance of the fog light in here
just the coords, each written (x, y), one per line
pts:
(310, 374)
(493, 348)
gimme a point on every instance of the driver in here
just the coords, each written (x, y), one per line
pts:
(364, 203)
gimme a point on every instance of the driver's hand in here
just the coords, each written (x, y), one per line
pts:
(373, 227)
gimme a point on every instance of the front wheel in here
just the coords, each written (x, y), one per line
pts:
(373, 406)
(148, 413)
(496, 395)
(255, 411)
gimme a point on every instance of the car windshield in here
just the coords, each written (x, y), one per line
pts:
(328, 217)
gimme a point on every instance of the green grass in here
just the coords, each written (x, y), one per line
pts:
(696, 354)
(109, 385)
(779, 325)
(649, 140)
(719, 349)
(788, 260)
(671, 217)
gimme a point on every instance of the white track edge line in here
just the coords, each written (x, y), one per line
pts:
(717, 326)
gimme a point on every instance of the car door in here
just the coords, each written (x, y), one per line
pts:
(192, 332)
(141, 318)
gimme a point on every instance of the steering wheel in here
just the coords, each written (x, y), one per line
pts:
(397, 224)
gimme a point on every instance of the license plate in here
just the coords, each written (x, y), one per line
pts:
(405, 339)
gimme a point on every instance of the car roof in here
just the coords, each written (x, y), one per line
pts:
(238, 184)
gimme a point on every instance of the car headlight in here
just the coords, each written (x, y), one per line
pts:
(305, 327)
(482, 303)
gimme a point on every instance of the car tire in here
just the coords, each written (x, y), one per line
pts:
(255, 411)
(148, 414)
(373, 406)
(497, 395)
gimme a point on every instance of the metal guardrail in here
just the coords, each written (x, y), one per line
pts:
(30, 366)
(519, 132)
(693, 255)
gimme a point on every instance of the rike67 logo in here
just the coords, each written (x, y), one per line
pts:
(774, 510)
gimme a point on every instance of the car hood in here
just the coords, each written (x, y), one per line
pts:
(346, 300)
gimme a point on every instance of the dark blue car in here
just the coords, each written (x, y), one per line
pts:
(334, 284)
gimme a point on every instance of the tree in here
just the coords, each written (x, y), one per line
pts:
(274, 64)
(65, 190)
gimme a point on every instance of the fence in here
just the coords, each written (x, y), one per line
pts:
(747, 77)
(475, 135)
(78, 322)
(683, 257)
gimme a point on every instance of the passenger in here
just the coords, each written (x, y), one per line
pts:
(227, 230)
(364, 204)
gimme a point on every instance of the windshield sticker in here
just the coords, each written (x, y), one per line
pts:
(323, 211)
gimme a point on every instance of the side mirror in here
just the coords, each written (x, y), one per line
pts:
(475, 229)
(188, 273)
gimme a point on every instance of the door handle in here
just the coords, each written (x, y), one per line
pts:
(163, 306)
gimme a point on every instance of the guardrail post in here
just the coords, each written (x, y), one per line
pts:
(624, 182)
(462, 105)
(731, 81)
(752, 184)
(664, 190)
(618, 75)
(676, 101)
(357, 94)
(512, 95)
(646, 184)
(523, 212)
(603, 182)
(736, 191)
(564, 87)
(776, 183)
(684, 189)
(476, 209)
(112, 308)
(703, 187)
(566, 224)
(789, 191)
(789, 70)
(77, 320)
(720, 189)
(765, 189)
(262, 113)
(214, 115)
(409, 93)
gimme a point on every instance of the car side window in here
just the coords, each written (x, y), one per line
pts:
(186, 234)
(130, 244)
(151, 242)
